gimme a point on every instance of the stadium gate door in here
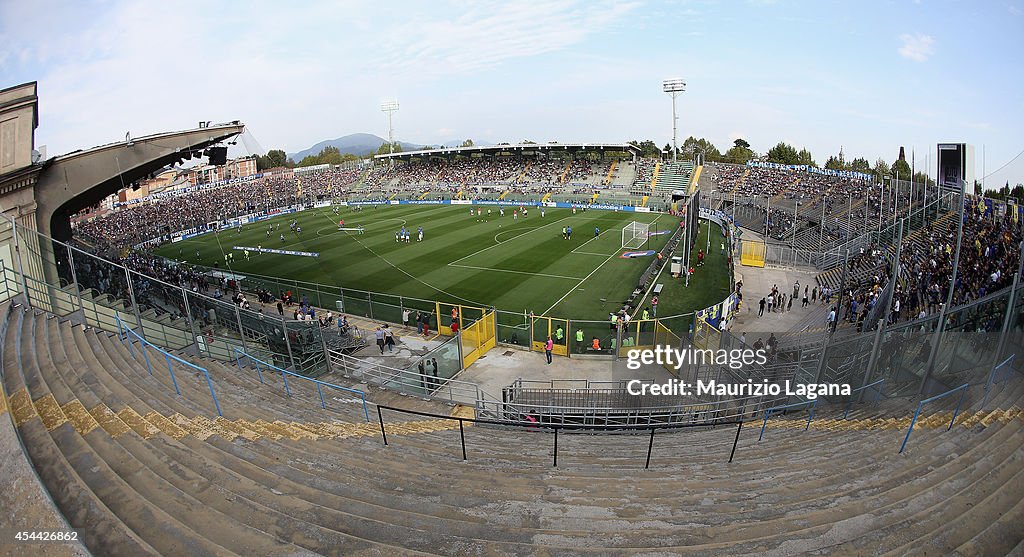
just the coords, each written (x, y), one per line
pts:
(541, 327)
(478, 337)
(478, 327)
(752, 253)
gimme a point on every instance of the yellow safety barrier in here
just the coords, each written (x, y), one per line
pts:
(752, 253)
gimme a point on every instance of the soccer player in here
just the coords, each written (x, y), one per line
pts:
(597, 231)
(259, 249)
(569, 230)
(515, 214)
(542, 212)
(406, 236)
(565, 233)
(420, 234)
(282, 238)
(397, 235)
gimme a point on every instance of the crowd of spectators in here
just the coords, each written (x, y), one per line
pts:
(139, 222)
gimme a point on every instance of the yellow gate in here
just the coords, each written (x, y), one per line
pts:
(752, 253)
(638, 333)
(477, 338)
(448, 313)
(557, 328)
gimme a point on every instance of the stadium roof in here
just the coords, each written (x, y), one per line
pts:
(467, 151)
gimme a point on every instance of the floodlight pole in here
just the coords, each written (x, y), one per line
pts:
(673, 87)
(390, 107)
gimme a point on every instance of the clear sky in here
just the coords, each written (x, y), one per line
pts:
(865, 76)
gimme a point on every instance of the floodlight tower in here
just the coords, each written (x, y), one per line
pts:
(390, 107)
(673, 87)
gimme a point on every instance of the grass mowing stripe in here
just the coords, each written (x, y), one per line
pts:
(404, 272)
(542, 263)
(511, 271)
(510, 239)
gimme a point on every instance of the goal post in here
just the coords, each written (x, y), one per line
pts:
(635, 235)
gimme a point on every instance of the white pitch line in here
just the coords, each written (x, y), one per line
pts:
(510, 239)
(511, 271)
(573, 289)
(591, 253)
(585, 278)
(585, 243)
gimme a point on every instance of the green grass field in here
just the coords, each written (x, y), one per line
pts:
(513, 265)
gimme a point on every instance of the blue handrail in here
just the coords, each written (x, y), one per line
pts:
(934, 398)
(1008, 364)
(849, 404)
(768, 414)
(126, 332)
(285, 373)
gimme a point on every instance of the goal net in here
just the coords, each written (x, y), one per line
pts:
(634, 235)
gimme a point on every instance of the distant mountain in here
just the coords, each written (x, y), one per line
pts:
(360, 144)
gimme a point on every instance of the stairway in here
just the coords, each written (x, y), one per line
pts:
(144, 471)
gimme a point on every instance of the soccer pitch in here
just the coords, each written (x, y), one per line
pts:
(518, 265)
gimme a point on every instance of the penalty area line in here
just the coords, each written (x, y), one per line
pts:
(512, 271)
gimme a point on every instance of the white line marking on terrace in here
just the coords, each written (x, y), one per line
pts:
(511, 271)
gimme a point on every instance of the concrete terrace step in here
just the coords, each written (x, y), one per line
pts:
(277, 476)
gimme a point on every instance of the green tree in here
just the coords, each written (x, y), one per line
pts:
(833, 163)
(804, 157)
(783, 153)
(881, 168)
(467, 143)
(384, 149)
(692, 146)
(860, 164)
(273, 159)
(922, 178)
(740, 142)
(647, 148)
(902, 168)
(738, 154)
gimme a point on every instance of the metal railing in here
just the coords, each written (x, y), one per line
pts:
(404, 380)
(876, 385)
(707, 413)
(538, 425)
(1006, 366)
(768, 414)
(126, 333)
(239, 354)
(963, 388)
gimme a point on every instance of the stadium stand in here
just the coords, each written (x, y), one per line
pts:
(142, 471)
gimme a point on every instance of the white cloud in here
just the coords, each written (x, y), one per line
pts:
(918, 47)
(490, 33)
